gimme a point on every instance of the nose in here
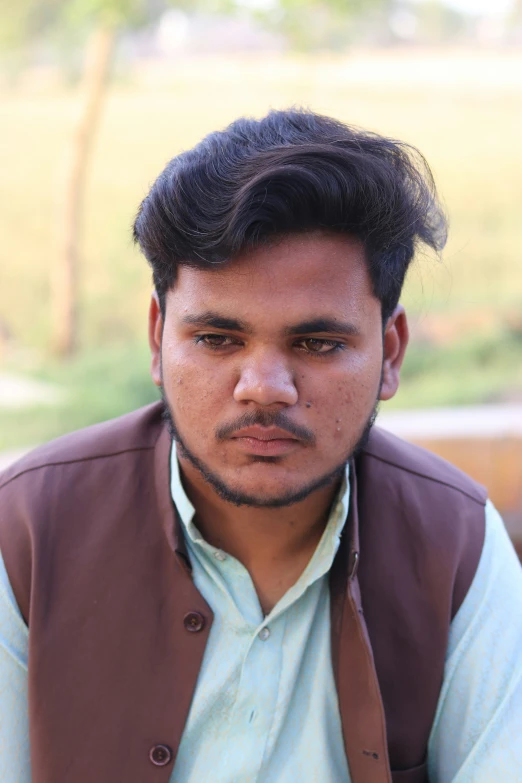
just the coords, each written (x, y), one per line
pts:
(266, 379)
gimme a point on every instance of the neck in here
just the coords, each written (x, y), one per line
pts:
(274, 544)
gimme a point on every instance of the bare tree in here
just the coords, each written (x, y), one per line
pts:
(64, 282)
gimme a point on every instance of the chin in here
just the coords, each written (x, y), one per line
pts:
(268, 492)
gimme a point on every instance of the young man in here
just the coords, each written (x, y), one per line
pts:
(248, 582)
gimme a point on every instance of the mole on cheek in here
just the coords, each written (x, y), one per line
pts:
(308, 404)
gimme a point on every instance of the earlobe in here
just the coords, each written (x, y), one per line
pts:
(155, 336)
(395, 341)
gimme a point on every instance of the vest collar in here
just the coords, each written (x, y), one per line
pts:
(171, 522)
(360, 701)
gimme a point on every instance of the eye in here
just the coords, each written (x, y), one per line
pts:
(215, 340)
(315, 345)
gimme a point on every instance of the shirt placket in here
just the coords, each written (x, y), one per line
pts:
(257, 699)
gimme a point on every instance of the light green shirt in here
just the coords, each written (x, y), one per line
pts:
(265, 707)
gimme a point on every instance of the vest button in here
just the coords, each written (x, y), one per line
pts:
(160, 755)
(194, 622)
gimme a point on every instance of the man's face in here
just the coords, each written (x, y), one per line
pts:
(272, 365)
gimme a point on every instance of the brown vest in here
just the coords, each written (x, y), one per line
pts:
(97, 562)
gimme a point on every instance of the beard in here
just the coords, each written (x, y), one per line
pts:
(239, 498)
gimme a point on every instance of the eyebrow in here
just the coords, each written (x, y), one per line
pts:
(217, 321)
(211, 319)
(324, 326)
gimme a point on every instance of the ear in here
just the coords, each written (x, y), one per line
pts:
(395, 341)
(155, 335)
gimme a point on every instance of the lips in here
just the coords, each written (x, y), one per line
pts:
(264, 433)
(265, 441)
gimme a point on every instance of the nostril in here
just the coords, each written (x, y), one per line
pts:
(266, 385)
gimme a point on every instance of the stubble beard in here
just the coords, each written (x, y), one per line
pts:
(238, 498)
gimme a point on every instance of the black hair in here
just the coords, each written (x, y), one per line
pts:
(291, 172)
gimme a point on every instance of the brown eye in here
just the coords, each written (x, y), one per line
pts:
(315, 345)
(215, 340)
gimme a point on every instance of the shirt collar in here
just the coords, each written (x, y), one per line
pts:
(322, 559)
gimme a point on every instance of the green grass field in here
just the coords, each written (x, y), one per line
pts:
(466, 310)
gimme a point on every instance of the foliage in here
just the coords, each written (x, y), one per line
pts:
(438, 22)
(96, 386)
(309, 23)
(26, 20)
(318, 24)
(481, 369)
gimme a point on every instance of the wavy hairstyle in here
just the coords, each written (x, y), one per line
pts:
(291, 172)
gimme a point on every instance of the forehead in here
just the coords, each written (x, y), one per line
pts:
(296, 276)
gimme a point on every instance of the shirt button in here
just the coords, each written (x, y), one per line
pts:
(264, 633)
(219, 555)
(193, 622)
(160, 755)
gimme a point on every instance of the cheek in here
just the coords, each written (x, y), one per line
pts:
(345, 404)
(196, 392)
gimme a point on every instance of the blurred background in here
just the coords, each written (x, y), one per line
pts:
(97, 95)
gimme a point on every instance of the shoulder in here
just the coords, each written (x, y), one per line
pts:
(59, 491)
(133, 432)
(407, 463)
(60, 479)
(434, 514)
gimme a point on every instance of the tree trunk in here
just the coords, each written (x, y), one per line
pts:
(64, 283)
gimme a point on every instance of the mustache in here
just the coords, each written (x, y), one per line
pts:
(266, 419)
